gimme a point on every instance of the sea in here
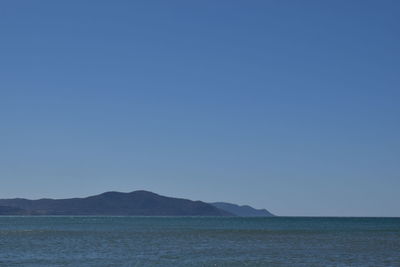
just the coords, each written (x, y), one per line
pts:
(198, 241)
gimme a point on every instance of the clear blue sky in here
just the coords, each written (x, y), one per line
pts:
(289, 105)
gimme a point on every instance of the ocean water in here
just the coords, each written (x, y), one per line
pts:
(199, 241)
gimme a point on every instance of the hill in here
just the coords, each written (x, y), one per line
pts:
(6, 210)
(243, 211)
(140, 203)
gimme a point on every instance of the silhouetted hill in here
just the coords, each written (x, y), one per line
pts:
(244, 211)
(6, 210)
(142, 203)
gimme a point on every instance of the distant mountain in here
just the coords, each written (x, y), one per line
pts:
(141, 203)
(6, 210)
(243, 211)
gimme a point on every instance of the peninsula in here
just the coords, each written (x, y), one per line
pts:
(136, 203)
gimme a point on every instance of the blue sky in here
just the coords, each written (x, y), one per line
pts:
(288, 105)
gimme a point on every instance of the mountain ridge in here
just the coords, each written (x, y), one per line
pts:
(113, 203)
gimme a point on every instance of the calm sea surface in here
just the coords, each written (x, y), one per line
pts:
(199, 241)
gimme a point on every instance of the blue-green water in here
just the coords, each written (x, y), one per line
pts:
(199, 241)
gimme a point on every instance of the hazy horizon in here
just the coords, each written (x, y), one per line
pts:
(283, 105)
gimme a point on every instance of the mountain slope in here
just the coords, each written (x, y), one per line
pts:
(141, 203)
(243, 211)
(6, 210)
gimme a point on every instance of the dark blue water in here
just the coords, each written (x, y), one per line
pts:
(199, 241)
